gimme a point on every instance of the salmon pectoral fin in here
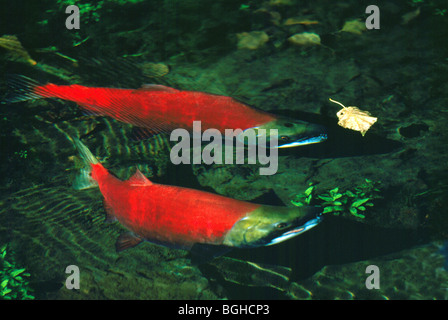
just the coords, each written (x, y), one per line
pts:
(127, 240)
(110, 216)
(202, 253)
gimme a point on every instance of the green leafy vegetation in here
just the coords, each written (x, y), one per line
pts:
(13, 283)
(22, 154)
(337, 202)
(438, 7)
(88, 11)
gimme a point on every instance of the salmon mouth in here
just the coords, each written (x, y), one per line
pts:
(296, 231)
(308, 140)
(313, 133)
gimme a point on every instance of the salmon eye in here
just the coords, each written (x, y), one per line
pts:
(288, 125)
(281, 225)
(284, 138)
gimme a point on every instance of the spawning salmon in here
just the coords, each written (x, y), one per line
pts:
(159, 108)
(181, 217)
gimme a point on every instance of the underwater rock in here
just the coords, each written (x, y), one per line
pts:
(297, 20)
(168, 281)
(354, 26)
(247, 273)
(413, 130)
(416, 273)
(252, 40)
(305, 39)
(156, 70)
(281, 2)
(235, 181)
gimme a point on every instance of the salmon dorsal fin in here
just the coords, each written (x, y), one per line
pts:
(157, 87)
(139, 179)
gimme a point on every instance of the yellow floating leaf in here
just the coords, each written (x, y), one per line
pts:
(354, 26)
(11, 43)
(354, 118)
(305, 39)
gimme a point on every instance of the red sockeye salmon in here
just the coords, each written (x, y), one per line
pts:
(159, 108)
(182, 217)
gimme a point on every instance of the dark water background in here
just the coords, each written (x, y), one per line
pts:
(398, 73)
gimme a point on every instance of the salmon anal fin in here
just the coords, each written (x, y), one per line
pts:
(127, 240)
(139, 134)
(156, 87)
(90, 110)
(139, 179)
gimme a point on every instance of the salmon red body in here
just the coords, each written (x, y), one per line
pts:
(182, 217)
(167, 214)
(159, 108)
(155, 106)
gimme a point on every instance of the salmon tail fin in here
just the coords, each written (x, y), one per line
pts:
(84, 179)
(21, 88)
(85, 153)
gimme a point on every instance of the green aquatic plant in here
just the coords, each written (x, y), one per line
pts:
(88, 11)
(13, 283)
(440, 12)
(304, 198)
(336, 202)
(22, 154)
(434, 5)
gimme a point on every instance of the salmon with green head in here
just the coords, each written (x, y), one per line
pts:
(182, 217)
